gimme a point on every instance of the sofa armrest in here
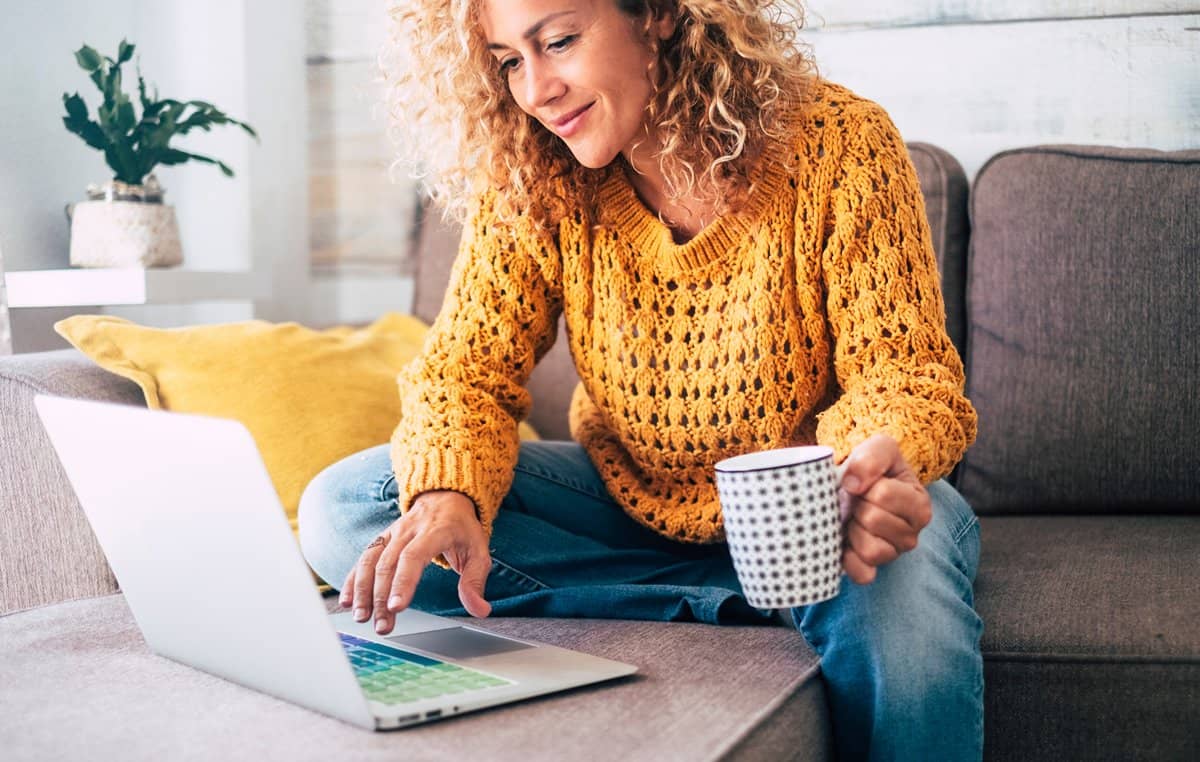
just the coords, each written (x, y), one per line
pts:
(47, 550)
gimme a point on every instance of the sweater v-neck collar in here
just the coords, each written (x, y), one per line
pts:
(625, 211)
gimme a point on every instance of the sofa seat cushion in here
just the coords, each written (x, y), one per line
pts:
(1091, 645)
(78, 681)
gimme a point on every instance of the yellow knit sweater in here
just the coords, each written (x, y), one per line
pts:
(813, 315)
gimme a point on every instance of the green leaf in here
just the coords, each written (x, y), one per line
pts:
(77, 122)
(147, 104)
(89, 131)
(123, 168)
(208, 115)
(175, 156)
(170, 117)
(124, 52)
(88, 59)
(126, 119)
(76, 108)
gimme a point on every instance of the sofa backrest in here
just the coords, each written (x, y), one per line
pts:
(1083, 356)
(942, 182)
(553, 380)
(944, 186)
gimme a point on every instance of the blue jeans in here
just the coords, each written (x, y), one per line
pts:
(900, 656)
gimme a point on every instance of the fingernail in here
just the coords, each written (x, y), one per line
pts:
(380, 625)
(851, 483)
(395, 602)
(360, 615)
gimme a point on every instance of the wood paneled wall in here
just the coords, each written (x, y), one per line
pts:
(976, 77)
(891, 13)
(361, 220)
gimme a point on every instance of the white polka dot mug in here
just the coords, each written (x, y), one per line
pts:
(783, 524)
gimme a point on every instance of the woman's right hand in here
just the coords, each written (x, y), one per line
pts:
(385, 578)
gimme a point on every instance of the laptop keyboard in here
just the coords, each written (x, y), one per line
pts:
(392, 676)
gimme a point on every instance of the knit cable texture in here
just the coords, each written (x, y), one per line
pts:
(812, 315)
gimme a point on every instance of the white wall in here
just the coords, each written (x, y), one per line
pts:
(42, 167)
(977, 77)
(245, 56)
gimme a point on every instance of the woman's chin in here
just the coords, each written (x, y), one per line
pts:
(592, 159)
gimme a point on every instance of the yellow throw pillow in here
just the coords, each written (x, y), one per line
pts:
(308, 397)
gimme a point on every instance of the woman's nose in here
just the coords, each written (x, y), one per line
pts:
(542, 84)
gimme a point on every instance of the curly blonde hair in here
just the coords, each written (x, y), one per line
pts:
(727, 79)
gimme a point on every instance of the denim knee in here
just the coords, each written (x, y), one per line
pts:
(943, 565)
(905, 648)
(343, 508)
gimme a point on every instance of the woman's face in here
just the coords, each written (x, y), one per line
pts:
(580, 67)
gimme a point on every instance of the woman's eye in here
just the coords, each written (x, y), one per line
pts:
(508, 64)
(561, 43)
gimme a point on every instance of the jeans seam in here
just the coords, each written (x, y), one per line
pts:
(958, 560)
(562, 482)
(537, 583)
(966, 527)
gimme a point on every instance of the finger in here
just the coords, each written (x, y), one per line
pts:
(871, 549)
(872, 459)
(409, 567)
(364, 579)
(905, 499)
(473, 581)
(857, 569)
(385, 572)
(346, 596)
(886, 525)
(846, 503)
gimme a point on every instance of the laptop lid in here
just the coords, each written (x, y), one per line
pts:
(194, 532)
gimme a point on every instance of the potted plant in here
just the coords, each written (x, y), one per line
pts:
(124, 222)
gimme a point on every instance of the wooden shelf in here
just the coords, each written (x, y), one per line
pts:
(115, 286)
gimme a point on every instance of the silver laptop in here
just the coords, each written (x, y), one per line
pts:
(195, 534)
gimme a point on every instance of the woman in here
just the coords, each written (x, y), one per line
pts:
(740, 254)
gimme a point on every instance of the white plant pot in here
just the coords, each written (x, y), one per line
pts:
(124, 234)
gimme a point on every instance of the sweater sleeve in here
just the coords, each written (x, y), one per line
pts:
(464, 394)
(897, 371)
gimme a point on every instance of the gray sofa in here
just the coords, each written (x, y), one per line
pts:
(1072, 287)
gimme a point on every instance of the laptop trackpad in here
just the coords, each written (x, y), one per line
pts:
(459, 643)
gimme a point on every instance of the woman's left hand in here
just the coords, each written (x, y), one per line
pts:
(886, 505)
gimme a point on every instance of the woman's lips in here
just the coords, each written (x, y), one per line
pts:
(568, 126)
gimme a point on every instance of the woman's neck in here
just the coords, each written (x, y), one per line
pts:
(686, 217)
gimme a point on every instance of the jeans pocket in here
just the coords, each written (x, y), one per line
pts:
(388, 490)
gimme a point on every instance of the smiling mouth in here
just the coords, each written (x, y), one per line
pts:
(569, 123)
